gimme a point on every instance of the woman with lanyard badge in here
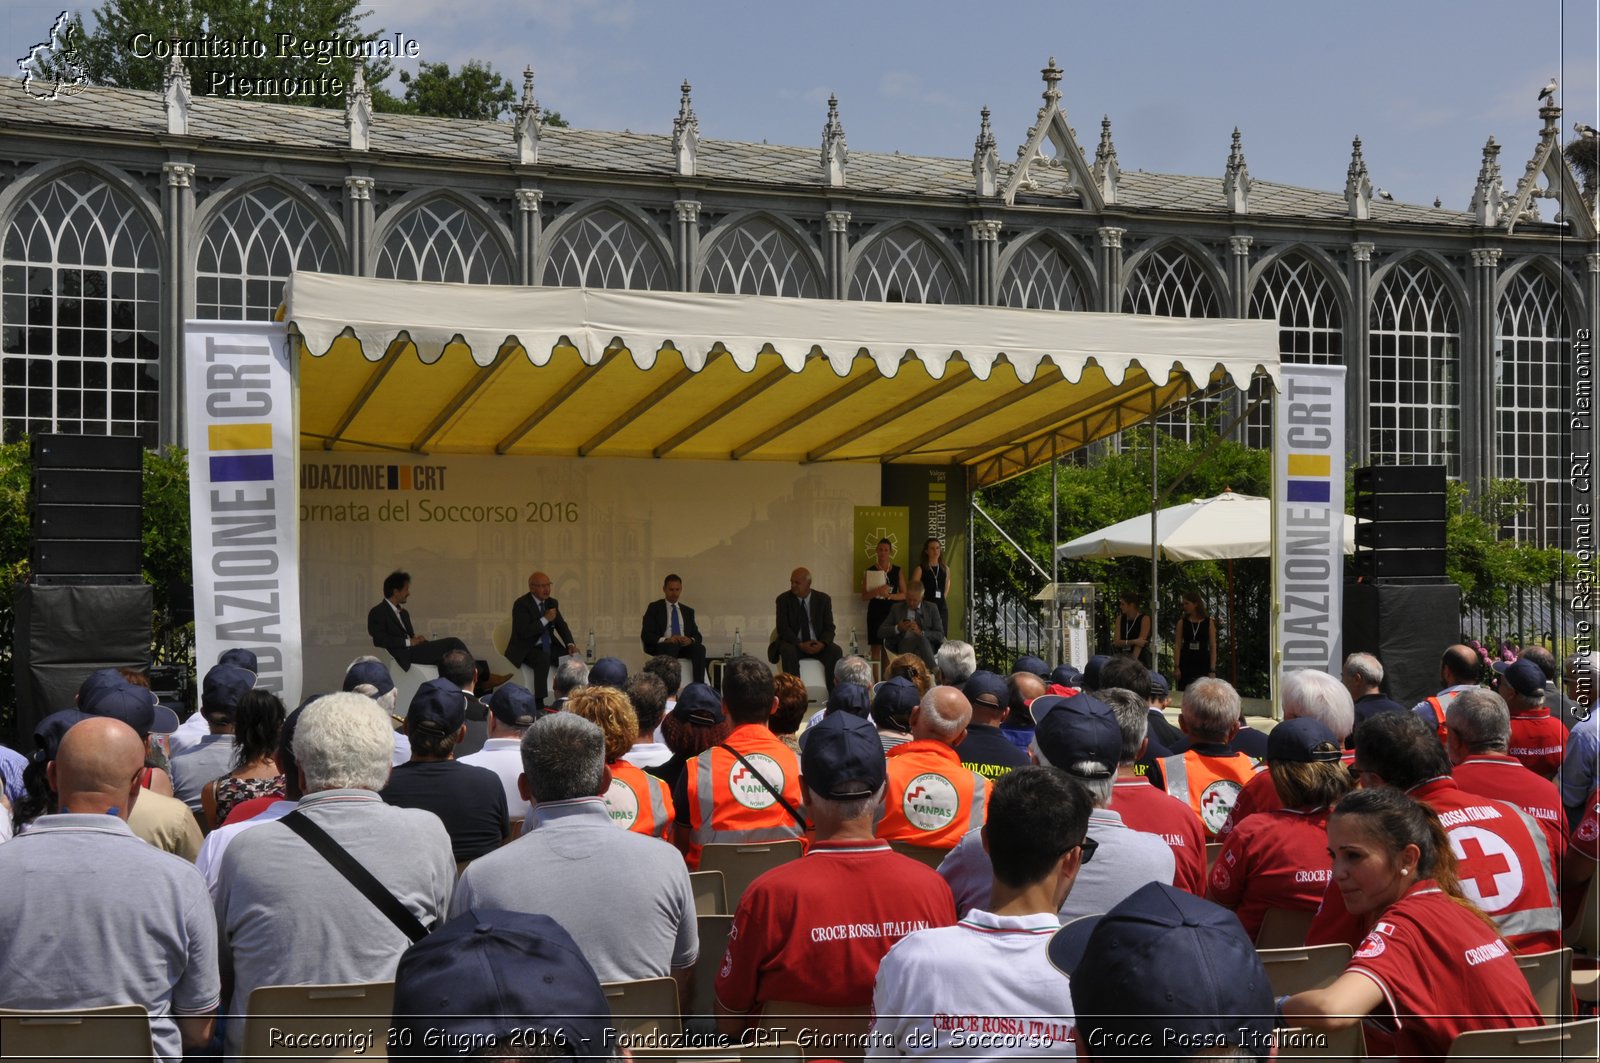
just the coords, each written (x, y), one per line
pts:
(1133, 629)
(935, 578)
(1197, 642)
(881, 591)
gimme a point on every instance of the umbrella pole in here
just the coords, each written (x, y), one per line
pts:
(1155, 502)
(1055, 560)
(1233, 641)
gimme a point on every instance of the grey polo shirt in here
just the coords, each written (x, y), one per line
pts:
(624, 897)
(1125, 860)
(211, 758)
(288, 918)
(91, 916)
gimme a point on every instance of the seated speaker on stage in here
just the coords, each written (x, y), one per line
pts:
(539, 634)
(390, 627)
(912, 626)
(805, 627)
(669, 629)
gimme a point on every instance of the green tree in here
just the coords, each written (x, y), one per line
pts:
(474, 91)
(117, 51)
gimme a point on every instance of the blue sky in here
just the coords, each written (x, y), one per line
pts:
(1423, 82)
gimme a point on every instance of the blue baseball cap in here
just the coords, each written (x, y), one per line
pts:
(850, 697)
(1032, 665)
(240, 658)
(1296, 741)
(439, 706)
(370, 673)
(514, 705)
(985, 690)
(222, 688)
(699, 704)
(1525, 677)
(1075, 730)
(490, 974)
(1159, 687)
(608, 672)
(1091, 670)
(1065, 675)
(893, 701)
(842, 758)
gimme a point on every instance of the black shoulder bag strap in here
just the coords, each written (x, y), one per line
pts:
(359, 877)
(762, 779)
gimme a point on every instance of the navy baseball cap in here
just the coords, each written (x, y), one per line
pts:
(1091, 670)
(608, 672)
(514, 705)
(48, 732)
(491, 974)
(894, 700)
(1032, 665)
(224, 685)
(98, 680)
(240, 658)
(842, 759)
(1071, 730)
(1164, 959)
(850, 697)
(1159, 687)
(1295, 742)
(372, 673)
(1066, 676)
(699, 704)
(1525, 677)
(439, 706)
(133, 706)
(986, 690)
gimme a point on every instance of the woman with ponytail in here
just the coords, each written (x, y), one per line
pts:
(1432, 964)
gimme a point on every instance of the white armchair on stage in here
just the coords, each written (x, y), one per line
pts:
(407, 681)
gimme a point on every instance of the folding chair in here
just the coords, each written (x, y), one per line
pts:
(920, 853)
(1297, 970)
(1584, 937)
(360, 1012)
(710, 896)
(1282, 928)
(121, 1031)
(1566, 1040)
(701, 1016)
(835, 1027)
(1549, 978)
(1213, 850)
(741, 864)
(644, 1006)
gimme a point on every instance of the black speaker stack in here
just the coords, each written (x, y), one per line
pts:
(88, 501)
(1399, 606)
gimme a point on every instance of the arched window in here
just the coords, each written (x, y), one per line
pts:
(1413, 402)
(1170, 283)
(901, 267)
(249, 250)
(441, 240)
(603, 249)
(80, 279)
(758, 258)
(1040, 278)
(1530, 396)
(1301, 299)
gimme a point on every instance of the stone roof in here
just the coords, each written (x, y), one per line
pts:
(140, 113)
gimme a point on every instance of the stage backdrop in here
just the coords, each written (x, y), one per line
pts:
(470, 529)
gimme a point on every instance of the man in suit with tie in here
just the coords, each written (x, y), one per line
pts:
(669, 629)
(390, 627)
(805, 627)
(539, 633)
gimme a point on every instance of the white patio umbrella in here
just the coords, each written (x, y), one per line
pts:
(1222, 528)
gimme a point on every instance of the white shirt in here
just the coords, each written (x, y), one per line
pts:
(982, 989)
(503, 756)
(209, 862)
(647, 754)
(188, 734)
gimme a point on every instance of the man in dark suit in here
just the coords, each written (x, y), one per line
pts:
(913, 626)
(538, 633)
(669, 629)
(390, 627)
(805, 627)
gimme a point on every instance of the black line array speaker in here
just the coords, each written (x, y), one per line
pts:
(1402, 533)
(88, 499)
(1406, 626)
(65, 631)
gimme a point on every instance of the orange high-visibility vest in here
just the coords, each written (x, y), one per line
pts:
(1208, 784)
(1437, 704)
(639, 802)
(727, 804)
(930, 799)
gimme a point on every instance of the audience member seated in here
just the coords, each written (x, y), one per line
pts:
(912, 626)
(1209, 775)
(634, 800)
(1165, 973)
(793, 701)
(813, 931)
(1021, 690)
(1432, 965)
(648, 696)
(1458, 671)
(158, 818)
(1580, 763)
(512, 710)
(468, 800)
(209, 862)
(1081, 736)
(79, 875)
(985, 750)
(1279, 858)
(1537, 738)
(1561, 706)
(993, 963)
(255, 772)
(571, 675)
(844, 697)
(194, 728)
(954, 663)
(1146, 808)
(1363, 678)
(1305, 693)
(932, 800)
(805, 628)
(211, 757)
(289, 917)
(666, 669)
(718, 802)
(508, 984)
(608, 672)
(370, 676)
(892, 705)
(695, 724)
(624, 897)
(460, 668)
(1505, 864)
(853, 669)
(1480, 730)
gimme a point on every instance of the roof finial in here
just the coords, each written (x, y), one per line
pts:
(1052, 81)
(1358, 184)
(1106, 170)
(1488, 195)
(685, 133)
(985, 159)
(175, 92)
(358, 110)
(834, 149)
(1236, 182)
(526, 126)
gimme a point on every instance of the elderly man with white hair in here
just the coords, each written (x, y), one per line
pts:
(1363, 678)
(286, 913)
(955, 662)
(1305, 692)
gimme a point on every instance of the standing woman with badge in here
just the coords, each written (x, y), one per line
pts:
(880, 588)
(1133, 628)
(934, 576)
(1197, 642)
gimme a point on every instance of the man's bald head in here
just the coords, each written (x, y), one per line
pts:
(97, 768)
(1459, 665)
(800, 582)
(942, 716)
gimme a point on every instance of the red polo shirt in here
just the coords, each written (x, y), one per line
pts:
(1144, 808)
(1505, 778)
(1278, 859)
(1538, 740)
